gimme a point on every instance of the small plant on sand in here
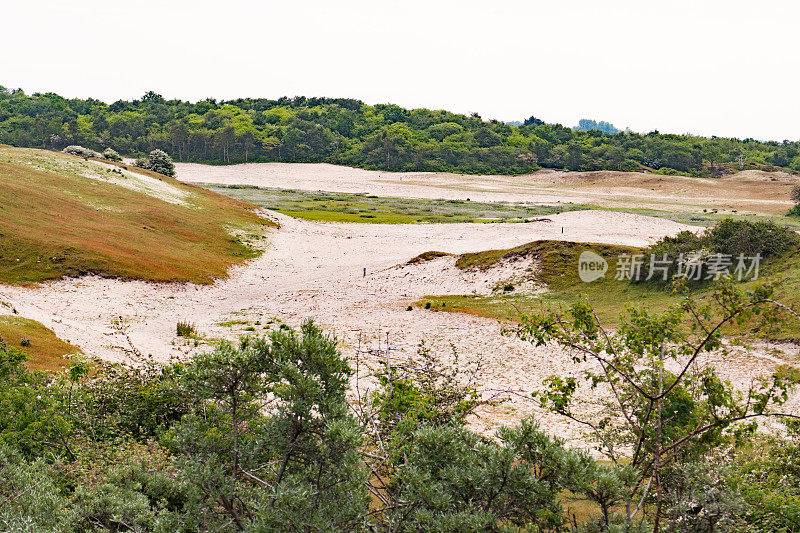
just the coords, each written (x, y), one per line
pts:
(185, 329)
(25, 341)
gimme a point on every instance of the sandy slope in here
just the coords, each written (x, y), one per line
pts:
(751, 191)
(317, 270)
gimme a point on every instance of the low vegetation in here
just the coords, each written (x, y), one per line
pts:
(65, 216)
(185, 329)
(558, 271)
(364, 208)
(260, 436)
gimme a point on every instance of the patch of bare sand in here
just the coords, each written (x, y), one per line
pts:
(317, 270)
(747, 191)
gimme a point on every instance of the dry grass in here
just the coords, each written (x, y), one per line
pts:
(55, 221)
(45, 351)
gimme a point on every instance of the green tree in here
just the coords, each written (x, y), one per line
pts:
(160, 162)
(273, 444)
(663, 416)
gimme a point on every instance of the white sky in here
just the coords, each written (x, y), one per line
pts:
(727, 67)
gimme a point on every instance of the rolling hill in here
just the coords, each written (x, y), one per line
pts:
(61, 215)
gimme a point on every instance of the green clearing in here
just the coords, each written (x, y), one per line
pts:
(61, 215)
(711, 217)
(364, 208)
(559, 272)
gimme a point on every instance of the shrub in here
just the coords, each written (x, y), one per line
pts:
(729, 237)
(162, 163)
(750, 238)
(795, 211)
(111, 155)
(80, 151)
(185, 329)
(794, 195)
(158, 161)
(25, 341)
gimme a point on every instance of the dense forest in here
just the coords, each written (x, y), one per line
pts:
(347, 131)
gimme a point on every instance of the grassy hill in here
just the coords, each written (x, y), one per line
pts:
(61, 215)
(44, 349)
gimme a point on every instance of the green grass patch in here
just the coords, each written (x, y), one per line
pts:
(371, 209)
(609, 297)
(559, 272)
(232, 323)
(44, 349)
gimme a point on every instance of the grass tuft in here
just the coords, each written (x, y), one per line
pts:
(185, 329)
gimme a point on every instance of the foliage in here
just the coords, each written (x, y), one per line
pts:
(734, 238)
(272, 445)
(111, 155)
(80, 151)
(586, 124)
(347, 131)
(794, 194)
(766, 471)
(658, 401)
(185, 329)
(431, 473)
(157, 161)
(259, 436)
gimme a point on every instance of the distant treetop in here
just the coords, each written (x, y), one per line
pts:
(586, 124)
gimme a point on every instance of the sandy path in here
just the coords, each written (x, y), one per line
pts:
(751, 191)
(316, 270)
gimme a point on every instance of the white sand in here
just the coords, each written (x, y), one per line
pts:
(316, 270)
(752, 191)
(138, 182)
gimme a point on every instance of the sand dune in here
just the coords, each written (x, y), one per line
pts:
(317, 270)
(749, 191)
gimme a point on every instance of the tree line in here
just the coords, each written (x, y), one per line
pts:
(347, 131)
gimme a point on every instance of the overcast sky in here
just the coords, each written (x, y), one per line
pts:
(727, 67)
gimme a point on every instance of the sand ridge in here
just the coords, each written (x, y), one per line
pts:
(750, 190)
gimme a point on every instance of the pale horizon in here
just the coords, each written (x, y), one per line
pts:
(720, 68)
